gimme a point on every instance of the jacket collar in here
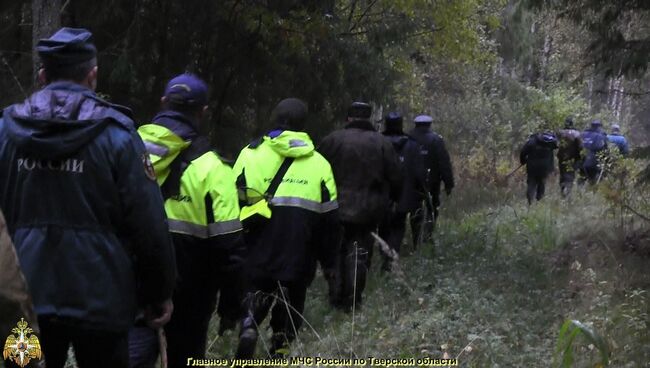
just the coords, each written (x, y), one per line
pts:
(360, 124)
(181, 124)
(68, 86)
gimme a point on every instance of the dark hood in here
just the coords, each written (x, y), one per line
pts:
(59, 120)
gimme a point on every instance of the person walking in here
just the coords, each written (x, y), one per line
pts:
(367, 171)
(594, 144)
(83, 209)
(537, 155)
(202, 205)
(438, 170)
(290, 216)
(569, 155)
(393, 227)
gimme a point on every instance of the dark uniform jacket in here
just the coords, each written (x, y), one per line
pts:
(594, 142)
(570, 146)
(366, 169)
(82, 205)
(408, 152)
(436, 160)
(537, 155)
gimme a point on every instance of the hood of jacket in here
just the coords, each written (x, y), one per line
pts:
(59, 120)
(288, 143)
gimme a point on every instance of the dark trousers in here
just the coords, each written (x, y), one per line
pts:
(143, 346)
(591, 174)
(288, 302)
(354, 262)
(567, 177)
(92, 348)
(392, 231)
(202, 273)
(536, 187)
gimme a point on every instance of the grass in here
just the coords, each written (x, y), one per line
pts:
(494, 290)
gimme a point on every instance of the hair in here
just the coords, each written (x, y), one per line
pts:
(184, 108)
(75, 72)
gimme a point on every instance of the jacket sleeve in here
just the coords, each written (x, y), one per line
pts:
(392, 170)
(444, 164)
(145, 223)
(328, 233)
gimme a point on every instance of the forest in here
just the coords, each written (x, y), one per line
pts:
(561, 283)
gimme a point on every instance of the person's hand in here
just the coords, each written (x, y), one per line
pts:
(158, 315)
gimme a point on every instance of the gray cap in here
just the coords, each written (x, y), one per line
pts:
(423, 119)
(616, 128)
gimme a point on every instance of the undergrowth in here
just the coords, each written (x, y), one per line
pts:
(493, 289)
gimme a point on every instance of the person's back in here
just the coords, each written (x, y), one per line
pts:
(366, 169)
(393, 227)
(594, 143)
(81, 205)
(300, 225)
(367, 173)
(568, 155)
(202, 206)
(436, 164)
(537, 155)
(618, 140)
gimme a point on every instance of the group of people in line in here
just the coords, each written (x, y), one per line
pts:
(584, 153)
(123, 230)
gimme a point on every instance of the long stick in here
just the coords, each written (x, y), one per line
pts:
(162, 346)
(514, 171)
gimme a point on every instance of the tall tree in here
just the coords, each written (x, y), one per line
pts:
(46, 19)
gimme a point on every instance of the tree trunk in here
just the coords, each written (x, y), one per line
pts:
(46, 19)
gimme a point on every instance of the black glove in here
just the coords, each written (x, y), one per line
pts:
(448, 191)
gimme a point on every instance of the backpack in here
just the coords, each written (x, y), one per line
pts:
(593, 142)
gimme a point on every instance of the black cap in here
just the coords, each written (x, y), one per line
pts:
(568, 123)
(393, 122)
(359, 110)
(290, 113)
(67, 47)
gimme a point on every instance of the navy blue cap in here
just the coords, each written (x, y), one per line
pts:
(67, 47)
(187, 89)
(360, 110)
(423, 119)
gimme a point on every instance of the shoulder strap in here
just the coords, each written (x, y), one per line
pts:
(277, 179)
(172, 186)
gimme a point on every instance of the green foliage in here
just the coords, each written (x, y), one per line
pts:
(569, 331)
(621, 37)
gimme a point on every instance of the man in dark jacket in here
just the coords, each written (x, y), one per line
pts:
(537, 155)
(290, 215)
(569, 155)
(394, 225)
(83, 209)
(438, 169)
(367, 172)
(594, 144)
(203, 209)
